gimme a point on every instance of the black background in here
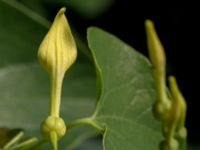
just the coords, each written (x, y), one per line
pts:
(178, 29)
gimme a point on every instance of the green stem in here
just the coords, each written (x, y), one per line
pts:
(160, 86)
(53, 139)
(56, 88)
(85, 121)
(14, 140)
(28, 144)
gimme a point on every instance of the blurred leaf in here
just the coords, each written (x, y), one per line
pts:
(24, 85)
(89, 8)
(38, 6)
(86, 8)
(126, 95)
(19, 35)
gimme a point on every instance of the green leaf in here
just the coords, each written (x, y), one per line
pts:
(38, 6)
(126, 94)
(24, 85)
(19, 35)
(91, 144)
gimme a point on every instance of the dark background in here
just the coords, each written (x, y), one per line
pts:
(178, 29)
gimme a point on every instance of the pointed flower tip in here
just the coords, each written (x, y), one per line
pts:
(178, 109)
(172, 79)
(149, 24)
(155, 48)
(173, 84)
(176, 93)
(62, 10)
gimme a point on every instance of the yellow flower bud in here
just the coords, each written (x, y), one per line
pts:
(57, 52)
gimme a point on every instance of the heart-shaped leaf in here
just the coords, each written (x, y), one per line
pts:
(126, 94)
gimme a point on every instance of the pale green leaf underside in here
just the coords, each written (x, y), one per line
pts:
(126, 95)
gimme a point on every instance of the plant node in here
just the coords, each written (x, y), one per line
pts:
(53, 124)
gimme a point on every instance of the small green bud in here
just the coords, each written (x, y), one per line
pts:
(156, 50)
(173, 126)
(53, 124)
(179, 101)
(178, 110)
(157, 57)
